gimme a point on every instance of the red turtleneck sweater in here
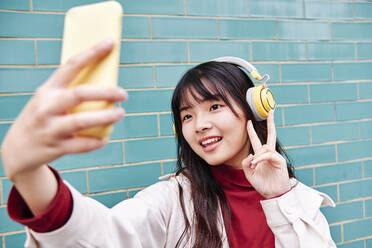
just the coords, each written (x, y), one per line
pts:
(248, 222)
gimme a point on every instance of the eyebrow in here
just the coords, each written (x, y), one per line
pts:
(185, 108)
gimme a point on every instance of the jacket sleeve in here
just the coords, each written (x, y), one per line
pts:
(137, 222)
(296, 220)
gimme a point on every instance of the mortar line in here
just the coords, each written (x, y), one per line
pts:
(87, 180)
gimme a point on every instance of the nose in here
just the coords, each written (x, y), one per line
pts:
(202, 124)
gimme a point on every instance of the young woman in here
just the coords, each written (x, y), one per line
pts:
(233, 186)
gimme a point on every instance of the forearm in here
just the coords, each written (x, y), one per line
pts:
(37, 187)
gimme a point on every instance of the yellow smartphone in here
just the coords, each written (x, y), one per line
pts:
(84, 27)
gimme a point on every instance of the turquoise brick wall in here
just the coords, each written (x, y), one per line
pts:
(319, 57)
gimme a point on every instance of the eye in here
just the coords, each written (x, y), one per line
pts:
(215, 106)
(186, 117)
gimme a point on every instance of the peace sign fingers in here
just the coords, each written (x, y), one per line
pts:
(271, 134)
(271, 131)
(253, 137)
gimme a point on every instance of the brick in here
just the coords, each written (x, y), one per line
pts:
(303, 30)
(6, 224)
(217, 8)
(279, 51)
(368, 207)
(293, 136)
(271, 69)
(171, 7)
(354, 150)
(15, 240)
(330, 51)
(59, 5)
(336, 233)
(283, 8)
(355, 190)
(136, 127)
(123, 177)
(329, 10)
(312, 155)
(366, 129)
(351, 31)
(153, 52)
(172, 27)
(2, 173)
(49, 52)
(111, 154)
(148, 101)
(334, 132)
(6, 187)
(3, 130)
(353, 111)
(363, 10)
(169, 167)
(77, 179)
(166, 124)
(368, 168)
(354, 71)
(364, 50)
(170, 75)
(308, 114)
(17, 52)
(355, 244)
(329, 190)
(149, 149)
(278, 116)
(338, 172)
(110, 199)
(23, 79)
(33, 25)
(14, 103)
(333, 92)
(344, 211)
(202, 51)
(136, 77)
(15, 5)
(242, 29)
(357, 229)
(305, 176)
(365, 90)
(290, 94)
(306, 72)
(136, 27)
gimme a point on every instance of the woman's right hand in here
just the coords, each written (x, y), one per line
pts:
(44, 131)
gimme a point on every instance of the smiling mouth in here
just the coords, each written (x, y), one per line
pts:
(210, 141)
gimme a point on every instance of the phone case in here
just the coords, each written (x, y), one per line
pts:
(85, 26)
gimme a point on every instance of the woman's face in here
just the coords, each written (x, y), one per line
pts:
(214, 132)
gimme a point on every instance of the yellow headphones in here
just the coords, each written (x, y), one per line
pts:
(260, 98)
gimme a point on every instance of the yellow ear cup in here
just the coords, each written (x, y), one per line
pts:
(174, 130)
(263, 100)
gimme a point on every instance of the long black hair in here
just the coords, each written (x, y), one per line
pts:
(210, 81)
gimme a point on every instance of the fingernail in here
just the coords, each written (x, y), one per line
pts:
(122, 93)
(120, 111)
(107, 43)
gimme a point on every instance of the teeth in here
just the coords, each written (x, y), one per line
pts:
(208, 141)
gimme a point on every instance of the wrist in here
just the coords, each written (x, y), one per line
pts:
(278, 193)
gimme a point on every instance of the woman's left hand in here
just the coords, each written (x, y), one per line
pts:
(266, 170)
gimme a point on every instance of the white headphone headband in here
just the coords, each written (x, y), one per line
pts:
(237, 61)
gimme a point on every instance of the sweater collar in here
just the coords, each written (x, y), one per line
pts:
(227, 175)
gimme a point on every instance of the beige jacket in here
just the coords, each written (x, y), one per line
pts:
(153, 218)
